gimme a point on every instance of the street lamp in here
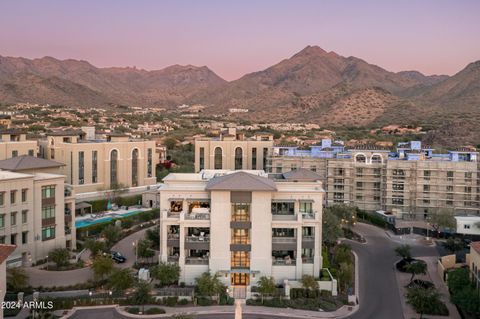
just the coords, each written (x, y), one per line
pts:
(47, 262)
(135, 245)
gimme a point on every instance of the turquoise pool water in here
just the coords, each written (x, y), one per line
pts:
(85, 223)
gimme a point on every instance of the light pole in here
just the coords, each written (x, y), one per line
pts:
(135, 245)
(47, 262)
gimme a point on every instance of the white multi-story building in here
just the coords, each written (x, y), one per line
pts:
(36, 215)
(242, 225)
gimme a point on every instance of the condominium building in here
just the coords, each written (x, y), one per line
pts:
(5, 251)
(233, 151)
(413, 181)
(242, 225)
(14, 143)
(36, 215)
(93, 163)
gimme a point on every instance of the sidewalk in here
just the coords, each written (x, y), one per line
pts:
(404, 278)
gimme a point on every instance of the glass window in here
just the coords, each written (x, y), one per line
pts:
(254, 158)
(113, 167)
(13, 239)
(2, 220)
(240, 212)
(2, 198)
(306, 207)
(238, 158)
(48, 192)
(202, 158)
(149, 163)
(13, 197)
(135, 167)
(24, 237)
(24, 216)
(283, 208)
(81, 168)
(265, 154)
(31, 152)
(14, 153)
(24, 195)
(48, 233)
(94, 166)
(48, 212)
(218, 158)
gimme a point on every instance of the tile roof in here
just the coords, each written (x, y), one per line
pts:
(241, 181)
(302, 174)
(5, 251)
(475, 246)
(23, 162)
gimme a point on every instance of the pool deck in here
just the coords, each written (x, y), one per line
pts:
(110, 214)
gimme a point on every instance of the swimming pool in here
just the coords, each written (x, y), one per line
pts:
(90, 221)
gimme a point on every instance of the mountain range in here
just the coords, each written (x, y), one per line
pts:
(313, 85)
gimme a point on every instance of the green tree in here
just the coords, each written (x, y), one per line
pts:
(442, 219)
(60, 256)
(209, 285)
(141, 296)
(345, 275)
(404, 251)
(120, 279)
(170, 143)
(102, 267)
(266, 286)
(453, 244)
(417, 267)
(111, 234)
(153, 235)
(309, 282)
(331, 229)
(423, 300)
(96, 247)
(345, 213)
(17, 279)
(144, 250)
(165, 273)
(342, 254)
(463, 293)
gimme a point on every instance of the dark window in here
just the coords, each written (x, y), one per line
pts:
(24, 195)
(149, 163)
(265, 154)
(283, 208)
(81, 168)
(24, 237)
(48, 233)
(113, 168)
(94, 166)
(202, 158)
(218, 158)
(238, 158)
(31, 152)
(13, 197)
(48, 192)
(14, 153)
(254, 158)
(135, 167)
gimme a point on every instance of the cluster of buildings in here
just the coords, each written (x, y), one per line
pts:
(40, 178)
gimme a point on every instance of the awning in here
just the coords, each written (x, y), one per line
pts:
(175, 199)
(306, 200)
(283, 200)
(198, 199)
(82, 205)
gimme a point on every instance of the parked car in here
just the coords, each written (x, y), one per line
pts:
(118, 257)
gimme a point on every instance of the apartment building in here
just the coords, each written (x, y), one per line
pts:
(474, 263)
(94, 163)
(36, 215)
(242, 225)
(413, 181)
(14, 143)
(5, 251)
(233, 151)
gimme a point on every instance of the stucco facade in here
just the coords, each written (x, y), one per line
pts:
(240, 233)
(98, 164)
(36, 215)
(14, 143)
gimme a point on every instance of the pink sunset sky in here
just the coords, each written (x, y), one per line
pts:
(235, 38)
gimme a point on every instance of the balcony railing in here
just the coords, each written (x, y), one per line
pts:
(173, 214)
(308, 215)
(283, 262)
(284, 216)
(172, 259)
(308, 238)
(307, 260)
(196, 261)
(198, 216)
(196, 239)
(173, 236)
(281, 240)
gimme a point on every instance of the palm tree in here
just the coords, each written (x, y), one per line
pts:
(404, 251)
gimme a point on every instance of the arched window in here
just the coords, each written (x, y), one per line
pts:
(238, 158)
(218, 158)
(376, 159)
(113, 167)
(360, 158)
(135, 167)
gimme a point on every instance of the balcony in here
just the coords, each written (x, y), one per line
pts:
(308, 215)
(198, 216)
(48, 221)
(283, 262)
(196, 239)
(172, 214)
(281, 240)
(172, 259)
(307, 260)
(196, 261)
(284, 217)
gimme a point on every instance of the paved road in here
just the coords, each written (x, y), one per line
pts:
(378, 284)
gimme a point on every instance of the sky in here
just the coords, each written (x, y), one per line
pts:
(237, 37)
